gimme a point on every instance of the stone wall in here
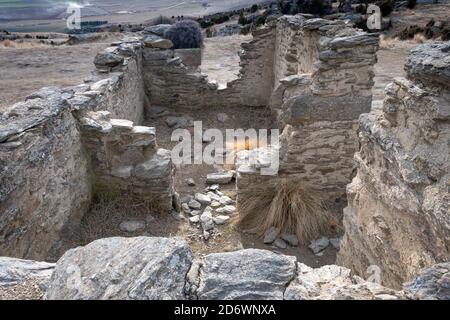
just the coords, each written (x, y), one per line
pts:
(45, 188)
(398, 211)
(59, 145)
(170, 81)
(322, 81)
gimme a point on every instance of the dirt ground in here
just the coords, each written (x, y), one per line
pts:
(31, 66)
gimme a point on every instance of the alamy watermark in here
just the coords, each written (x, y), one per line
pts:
(73, 21)
(251, 143)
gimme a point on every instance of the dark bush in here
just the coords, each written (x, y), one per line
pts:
(386, 7)
(160, 20)
(242, 19)
(185, 34)
(254, 8)
(410, 4)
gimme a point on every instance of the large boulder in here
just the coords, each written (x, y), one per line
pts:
(432, 283)
(245, 274)
(139, 268)
(23, 279)
(335, 283)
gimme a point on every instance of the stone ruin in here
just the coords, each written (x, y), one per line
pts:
(64, 146)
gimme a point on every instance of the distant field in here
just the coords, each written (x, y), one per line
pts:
(48, 15)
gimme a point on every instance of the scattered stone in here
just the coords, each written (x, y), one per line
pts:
(319, 245)
(186, 199)
(132, 225)
(222, 117)
(185, 208)
(226, 210)
(279, 243)
(225, 200)
(215, 204)
(221, 219)
(214, 187)
(190, 182)
(195, 212)
(207, 220)
(178, 216)
(194, 219)
(219, 178)
(178, 122)
(194, 204)
(203, 198)
(123, 269)
(271, 235)
(206, 235)
(335, 242)
(290, 238)
(213, 196)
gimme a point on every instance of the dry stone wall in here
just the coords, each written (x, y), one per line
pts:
(398, 212)
(322, 83)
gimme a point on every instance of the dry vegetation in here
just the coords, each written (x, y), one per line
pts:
(288, 206)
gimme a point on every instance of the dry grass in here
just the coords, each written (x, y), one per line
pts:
(285, 205)
(18, 44)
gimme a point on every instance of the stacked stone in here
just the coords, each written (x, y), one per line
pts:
(398, 212)
(125, 158)
(44, 188)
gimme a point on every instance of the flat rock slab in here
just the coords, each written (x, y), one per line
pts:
(219, 178)
(245, 274)
(139, 268)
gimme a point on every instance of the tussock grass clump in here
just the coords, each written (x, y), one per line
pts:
(285, 205)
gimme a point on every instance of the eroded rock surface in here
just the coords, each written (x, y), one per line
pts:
(123, 268)
(398, 213)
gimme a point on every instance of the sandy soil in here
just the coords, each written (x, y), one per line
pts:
(220, 60)
(33, 66)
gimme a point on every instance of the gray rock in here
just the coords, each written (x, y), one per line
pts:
(207, 220)
(431, 284)
(190, 182)
(123, 268)
(203, 198)
(271, 235)
(215, 204)
(158, 167)
(335, 242)
(132, 225)
(107, 59)
(319, 245)
(226, 210)
(290, 238)
(222, 117)
(219, 178)
(213, 196)
(225, 200)
(246, 274)
(185, 208)
(178, 122)
(430, 63)
(221, 219)
(214, 187)
(195, 212)
(14, 271)
(159, 29)
(279, 243)
(335, 283)
(194, 204)
(195, 219)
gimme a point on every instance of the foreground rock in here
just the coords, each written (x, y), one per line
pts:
(23, 279)
(432, 284)
(164, 268)
(123, 268)
(335, 283)
(398, 213)
(245, 274)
